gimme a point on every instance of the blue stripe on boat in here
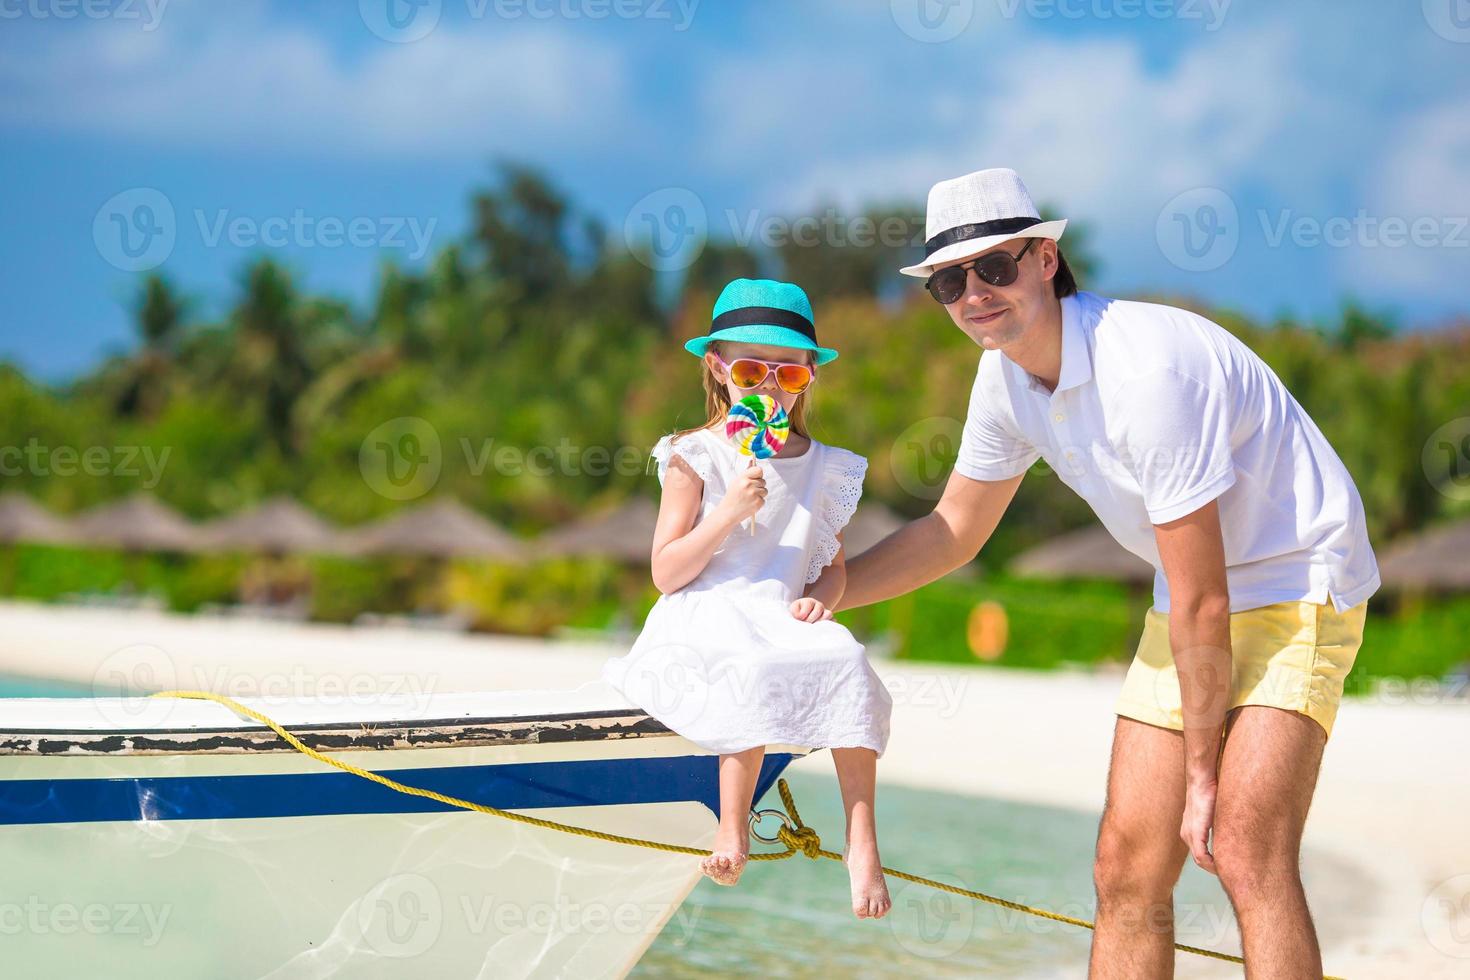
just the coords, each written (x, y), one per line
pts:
(516, 786)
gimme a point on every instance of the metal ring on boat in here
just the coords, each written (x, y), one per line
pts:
(756, 816)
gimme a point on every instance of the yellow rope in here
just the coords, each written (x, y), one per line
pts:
(798, 837)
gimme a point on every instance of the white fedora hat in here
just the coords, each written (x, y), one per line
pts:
(969, 214)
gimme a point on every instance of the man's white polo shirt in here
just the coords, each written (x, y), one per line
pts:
(1157, 412)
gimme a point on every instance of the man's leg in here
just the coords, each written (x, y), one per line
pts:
(1139, 854)
(1268, 771)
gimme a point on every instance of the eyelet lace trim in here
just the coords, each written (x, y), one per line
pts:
(842, 488)
(689, 449)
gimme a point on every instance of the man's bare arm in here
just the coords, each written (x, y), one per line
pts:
(1192, 551)
(932, 546)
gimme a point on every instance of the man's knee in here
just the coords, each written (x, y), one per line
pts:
(1254, 862)
(1133, 869)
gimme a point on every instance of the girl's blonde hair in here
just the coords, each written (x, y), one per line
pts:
(717, 399)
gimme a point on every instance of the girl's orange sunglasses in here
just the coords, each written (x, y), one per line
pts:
(747, 372)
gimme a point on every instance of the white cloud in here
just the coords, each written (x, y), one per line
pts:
(1086, 123)
(247, 79)
(1424, 177)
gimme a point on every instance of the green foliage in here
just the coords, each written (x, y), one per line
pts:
(1052, 624)
(539, 333)
(532, 600)
(343, 589)
(48, 574)
(1048, 625)
(1419, 639)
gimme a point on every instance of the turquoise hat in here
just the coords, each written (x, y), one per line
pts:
(763, 311)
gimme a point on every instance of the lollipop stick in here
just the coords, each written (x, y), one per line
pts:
(752, 516)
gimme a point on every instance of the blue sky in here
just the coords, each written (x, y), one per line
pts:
(1275, 158)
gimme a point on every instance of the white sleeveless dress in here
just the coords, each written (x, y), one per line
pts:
(723, 661)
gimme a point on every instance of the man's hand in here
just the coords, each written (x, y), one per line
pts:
(810, 610)
(1199, 817)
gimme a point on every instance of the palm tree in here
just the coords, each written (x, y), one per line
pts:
(271, 348)
(521, 226)
(142, 379)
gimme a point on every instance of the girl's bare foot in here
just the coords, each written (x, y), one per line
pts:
(731, 851)
(865, 873)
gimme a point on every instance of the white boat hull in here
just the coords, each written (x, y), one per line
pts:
(188, 844)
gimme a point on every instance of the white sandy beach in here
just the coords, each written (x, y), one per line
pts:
(1392, 802)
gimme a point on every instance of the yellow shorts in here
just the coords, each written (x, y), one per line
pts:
(1291, 655)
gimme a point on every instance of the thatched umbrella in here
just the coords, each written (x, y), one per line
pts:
(1089, 553)
(24, 520)
(1436, 560)
(623, 533)
(443, 529)
(279, 526)
(136, 523)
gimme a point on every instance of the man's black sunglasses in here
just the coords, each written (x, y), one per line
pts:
(997, 268)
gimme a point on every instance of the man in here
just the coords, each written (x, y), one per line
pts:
(1196, 458)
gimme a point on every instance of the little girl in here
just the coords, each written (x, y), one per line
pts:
(741, 650)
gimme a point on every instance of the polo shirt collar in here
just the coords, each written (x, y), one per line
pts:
(1076, 353)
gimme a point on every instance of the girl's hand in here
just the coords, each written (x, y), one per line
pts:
(746, 494)
(810, 610)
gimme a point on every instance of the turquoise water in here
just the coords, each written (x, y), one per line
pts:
(24, 687)
(792, 918)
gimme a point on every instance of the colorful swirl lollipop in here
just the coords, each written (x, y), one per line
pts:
(758, 426)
